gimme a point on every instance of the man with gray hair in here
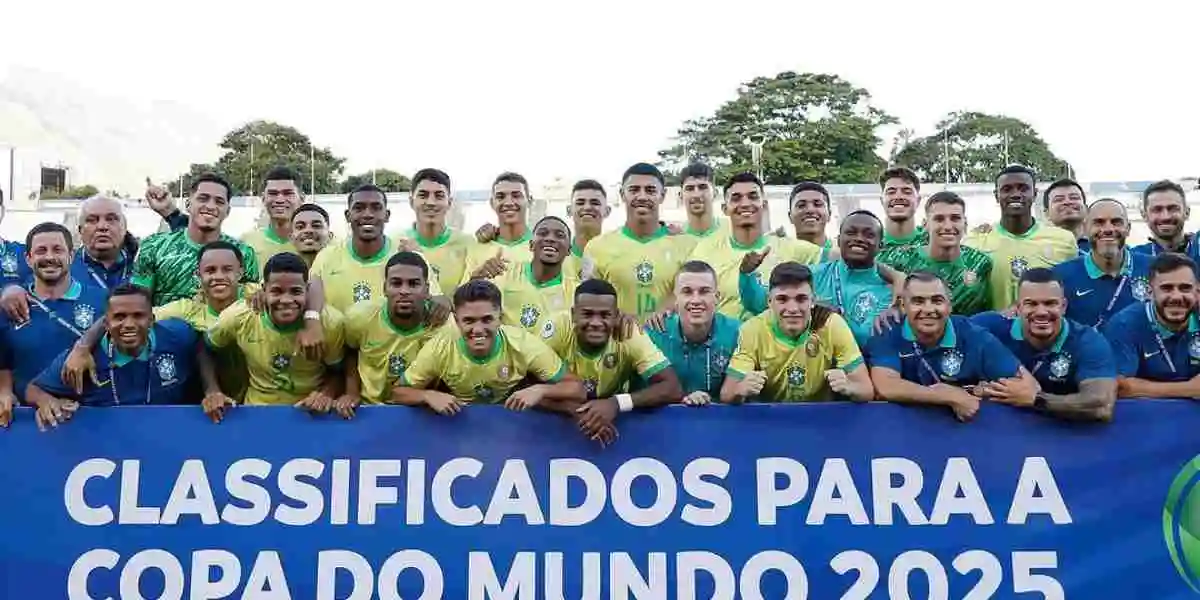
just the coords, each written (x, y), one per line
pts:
(105, 255)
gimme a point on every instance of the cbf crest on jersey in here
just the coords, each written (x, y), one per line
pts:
(590, 386)
(795, 375)
(396, 365)
(644, 272)
(863, 308)
(969, 278)
(529, 316)
(8, 263)
(484, 393)
(1194, 347)
(165, 364)
(362, 292)
(952, 362)
(1060, 366)
(1019, 266)
(1141, 289)
(83, 316)
(281, 362)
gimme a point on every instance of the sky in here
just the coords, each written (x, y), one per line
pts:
(569, 89)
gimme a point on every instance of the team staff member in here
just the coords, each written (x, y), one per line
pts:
(1165, 208)
(641, 259)
(900, 194)
(310, 231)
(445, 250)
(697, 340)
(535, 292)
(1066, 206)
(104, 258)
(933, 357)
(61, 309)
(383, 336)
(140, 362)
(1018, 241)
(278, 373)
(745, 203)
(281, 196)
(809, 214)
(1109, 277)
(1157, 344)
(796, 352)
(1072, 363)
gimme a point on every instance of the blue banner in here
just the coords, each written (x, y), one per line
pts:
(756, 502)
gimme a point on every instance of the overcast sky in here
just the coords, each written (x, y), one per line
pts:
(576, 89)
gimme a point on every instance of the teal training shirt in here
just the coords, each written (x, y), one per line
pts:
(700, 366)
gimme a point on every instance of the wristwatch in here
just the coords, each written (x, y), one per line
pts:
(1039, 402)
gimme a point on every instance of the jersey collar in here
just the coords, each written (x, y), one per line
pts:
(908, 239)
(73, 291)
(794, 342)
(658, 233)
(702, 234)
(384, 252)
(271, 235)
(1024, 236)
(433, 242)
(497, 345)
(517, 242)
(120, 359)
(758, 244)
(1193, 325)
(1017, 331)
(292, 328)
(557, 280)
(949, 338)
(1094, 271)
(674, 325)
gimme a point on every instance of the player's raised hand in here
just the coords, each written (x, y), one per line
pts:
(159, 199)
(486, 233)
(493, 267)
(753, 260)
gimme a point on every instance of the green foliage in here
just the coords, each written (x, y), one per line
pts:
(813, 126)
(387, 180)
(977, 149)
(76, 191)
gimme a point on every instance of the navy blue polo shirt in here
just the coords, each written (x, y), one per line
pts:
(966, 355)
(1078, 353)
(53, 326)
(91, 272)
(1145, 349)
(700, 365)
(14, 270)
(1094, 297)
(1084, 245)
(156, 376)
(1190, 248)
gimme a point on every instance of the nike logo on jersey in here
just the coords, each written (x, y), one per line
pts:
(907, 355)
(1146, 355)
(1083, 292)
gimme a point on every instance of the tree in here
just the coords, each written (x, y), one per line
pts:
(84, 191)
(254, 148)
(813, 127)
(387, 180)
(978, 145)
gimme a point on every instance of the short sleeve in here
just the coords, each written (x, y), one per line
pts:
(883, 352)
(176, 309)
(252, 271)
(647, 359)
(426, 367)
(744, 359)
(847, 356)
(990, 321)
(177, 220)
(1096, 358)
(805, 253)
(752, 293)
(1124, 350)
(355, 321)
(589, 257)
(997, 362)
(225, 332)
(320, 263)
(145, 264)
(334, 325)
(50, 379)
(182, 335)
(542, 361)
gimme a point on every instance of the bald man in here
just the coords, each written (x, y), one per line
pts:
(1109, 277)
(105, 256)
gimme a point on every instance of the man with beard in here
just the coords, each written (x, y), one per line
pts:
(696, 193)
(900, 194)
(1018, 241)
(537, 291)
(166, 263)
(1109, 277)
(310, 231)
(697, 340)
(809, 213)
(1072, 363)
(965, 270)
(13, 267)
(937, 359)
(61, 308)
(384, 336)
(278, 373)
(1066, 206)
(641, 259)
(1157, 344)
(140, 362)
(745, 203)
(510, 244)
(445, 250)
(585, 339)
(588, 210)
(1165, 208)
(797, 351)
(352, 271)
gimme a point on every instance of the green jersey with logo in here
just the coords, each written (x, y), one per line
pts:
(967, 276)
(894, 246)
(167, 263)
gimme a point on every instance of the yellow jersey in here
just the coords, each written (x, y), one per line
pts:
(692, 237)
(487, 380)
(1041, 246)
(279, 373)
(641, 269)
(229, 362)
(724, 254)
(529, 304)
(384, 350)
(610, 370)
(266, 244)
(795, 367)
(514, 252)
(446, 254)
(349, 279)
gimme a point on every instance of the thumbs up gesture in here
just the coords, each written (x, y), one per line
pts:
(493, 267)
(159, 199)
(752, 260)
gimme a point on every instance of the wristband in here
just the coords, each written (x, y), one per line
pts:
(312, 315)
(624, 402)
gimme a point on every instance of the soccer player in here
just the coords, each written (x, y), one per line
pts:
(1018, 241)
(166, 262)
(745, 201)
(642, 259)
(965, 270)
(445, 250)
(935, 358)
(696, 194)
(1165, 208)
(352, 271)
(1066, 206)
(1108, 277)
(697, 340)
(510, 244)
(809, 213)
(535, 292)
(1072, 363)
(384, 336)
(140, 362)
(310, 231)
(585, 340)
(900, 193)
(480, 360)
(281, 196)
(1157, 344)
(796, 352)
(61, 308)
(13, 267)
(279, 374)
(588, 210)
